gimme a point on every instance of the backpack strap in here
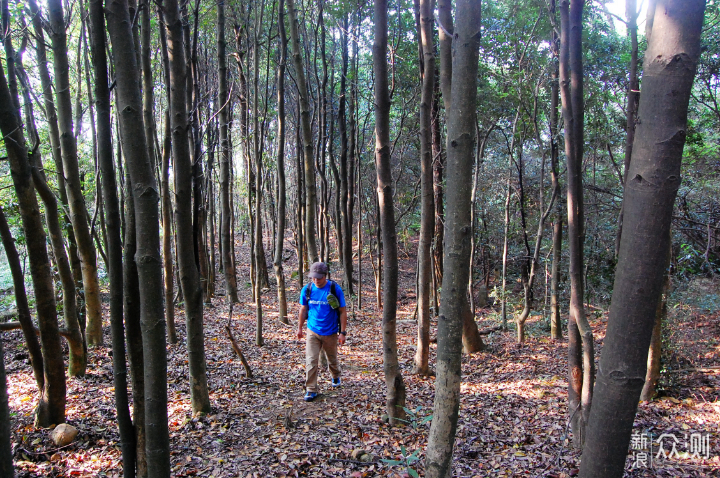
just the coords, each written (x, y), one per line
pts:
(307, 293)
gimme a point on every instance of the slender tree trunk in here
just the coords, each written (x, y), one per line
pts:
(281, 196)
(167, 233)
(182, 168)
(345, 179)
(581, 362)
(633, 97)
(6, 459)
(76, 201)
(653, 180)
(395, 400)
(555, 320)
(147, 257)
(310, 190)
(114, 242)
(21, 302)
(259, 252)
(51, 406)
(454, 304)
(427, 214)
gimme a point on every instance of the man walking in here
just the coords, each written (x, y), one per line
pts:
(322, 304)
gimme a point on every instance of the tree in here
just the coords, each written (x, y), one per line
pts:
(454, 304)
(76, 201)
(309, 169)
(581, 348)
(281, 196)
(6, 463)
(228, 248)
(147, 257)
(395, 398)
(653, 180)
(51, 406)
(183, 170)
(427, 214)
(98, 43)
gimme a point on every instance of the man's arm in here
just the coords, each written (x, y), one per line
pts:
(343, 325)
(302, 317)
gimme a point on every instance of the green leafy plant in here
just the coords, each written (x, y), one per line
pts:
(406, 461)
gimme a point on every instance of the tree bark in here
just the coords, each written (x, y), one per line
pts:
(581, 362)
(76, 201)
(653, 181)
(6, 459)
(281, 196)
(226, 246)
(310, 189)
(427, 204)
(555, 320)
(51, 406)
(183, 172)
(454, 304)
(395, 400)
(149, 264)
(21, 301)
(114, 240)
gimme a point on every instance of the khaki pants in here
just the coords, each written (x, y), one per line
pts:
(313, 344)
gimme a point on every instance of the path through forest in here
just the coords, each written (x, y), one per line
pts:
(512, 419)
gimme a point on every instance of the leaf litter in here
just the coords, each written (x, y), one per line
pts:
(513, 414)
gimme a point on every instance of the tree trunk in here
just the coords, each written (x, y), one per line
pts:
(395, 401)
(281, 196)
(454, 304)
(633, 97)
(653, 180)
(76, 201)
(21, 301)
(183, 172)
(51, 406)
(310, 194)
(259, 252)
(6, 459)
(427, 214)
(168, 274)
(345, 179)
(581, 362)
(555, 320)
(147, 257)
(114, 244)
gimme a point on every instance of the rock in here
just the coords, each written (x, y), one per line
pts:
(482, 297)
(63, 434)
(367, 458)
(357, 453)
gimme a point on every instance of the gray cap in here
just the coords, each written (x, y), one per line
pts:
(318, 270)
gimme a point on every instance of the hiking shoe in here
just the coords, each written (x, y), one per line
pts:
(310, 396)
(336, 382)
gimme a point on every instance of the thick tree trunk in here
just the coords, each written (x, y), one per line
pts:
(310, 190)
(51, 406)
(427, 214)
(147, 257)
(395, 400)
(114, 240)
(454, 304)
(76, 201)
(281, 196)
(189, 276)
(653, 181)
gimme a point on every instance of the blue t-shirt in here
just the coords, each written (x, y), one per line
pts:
(322, 319)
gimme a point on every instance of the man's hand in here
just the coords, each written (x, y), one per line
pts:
(341, 339)
(301, 333)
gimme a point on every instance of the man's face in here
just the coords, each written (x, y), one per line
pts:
(319, 282)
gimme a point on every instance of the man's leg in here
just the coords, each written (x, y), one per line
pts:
(330, 345)
(313, 344)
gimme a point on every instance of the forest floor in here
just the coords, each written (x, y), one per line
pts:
(513, 415)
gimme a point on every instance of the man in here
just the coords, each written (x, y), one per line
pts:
(326, 326)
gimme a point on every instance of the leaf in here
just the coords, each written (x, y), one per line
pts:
(413, 473)
(391, 462)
